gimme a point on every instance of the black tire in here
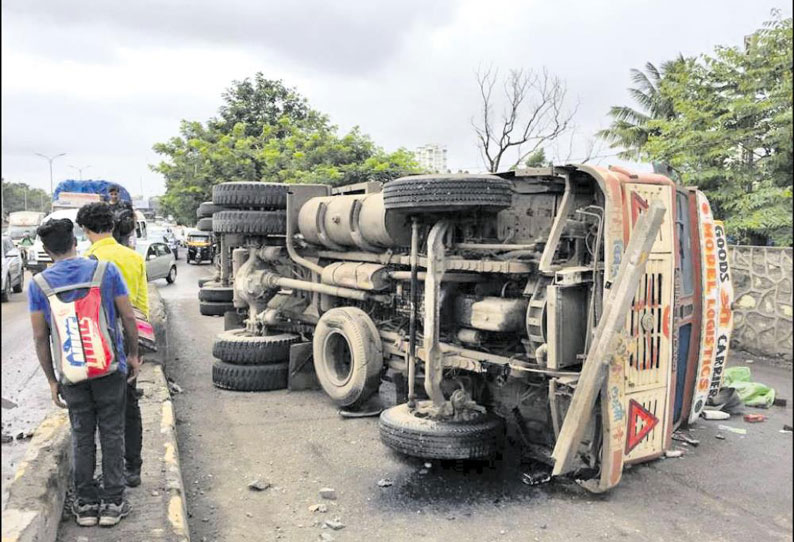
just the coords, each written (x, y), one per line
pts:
(171, 277)
(204, 224)
(250, 377)
(238, 348)
(19, 287)
(232, 320)
(403, 432)
(215, 292)
(447, 193)
(202, 282)
(243, 195)
(250, 222)
(214, 308)
(207, 209)
(348, 356)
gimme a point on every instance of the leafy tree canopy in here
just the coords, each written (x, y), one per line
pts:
(267, 132)
(728, 130)
(16, 194)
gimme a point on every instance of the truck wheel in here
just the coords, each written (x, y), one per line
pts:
(243, 195)
(215, 308)
(447, 193)
(207, 209)
(250, 222)
(250, 377)
(408, 434)
(348, 355)
(204, 224)
(215, 292)
(239, 348)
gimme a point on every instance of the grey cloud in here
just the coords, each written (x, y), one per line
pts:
(354, 37)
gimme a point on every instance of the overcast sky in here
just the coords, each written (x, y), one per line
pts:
(103, 80)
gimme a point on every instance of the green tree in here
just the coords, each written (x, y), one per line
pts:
(536, 159)
(267, 132)
(21, 197)
(732, 132)
(630, 130)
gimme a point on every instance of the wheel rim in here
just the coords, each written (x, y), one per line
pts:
(339, 358)
(172, 274)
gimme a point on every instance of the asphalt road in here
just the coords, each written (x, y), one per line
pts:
(738, 488)
(25, 394)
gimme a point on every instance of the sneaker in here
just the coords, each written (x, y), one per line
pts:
(132, 478)
(111, 513)
(85, 514)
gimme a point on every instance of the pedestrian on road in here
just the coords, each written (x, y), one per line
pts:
(123, 216)
(80, 306)
(96, 219)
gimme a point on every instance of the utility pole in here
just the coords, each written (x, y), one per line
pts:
(80, 170)
(26, 198)
(50, 160)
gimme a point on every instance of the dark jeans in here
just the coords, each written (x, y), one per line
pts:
(93, 403)
(133, 429)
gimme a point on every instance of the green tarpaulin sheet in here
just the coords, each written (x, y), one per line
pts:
(751, 393)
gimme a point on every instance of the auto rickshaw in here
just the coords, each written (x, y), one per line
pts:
(199, 247)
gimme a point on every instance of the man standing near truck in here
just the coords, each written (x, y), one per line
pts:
(97, 222)
(123, 216)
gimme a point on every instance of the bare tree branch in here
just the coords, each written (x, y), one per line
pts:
(533, 113)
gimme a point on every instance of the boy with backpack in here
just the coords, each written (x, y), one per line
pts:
(80, 306)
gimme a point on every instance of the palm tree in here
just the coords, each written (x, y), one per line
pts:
(629, 130)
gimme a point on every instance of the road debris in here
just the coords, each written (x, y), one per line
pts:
(737, 430)
(428, 465)
(8, 403)
(322, 508)
(715, 414)
(258, 485)
(719, 436)
(673, 453)
(686, 439)
(384, 482)
(536, 478)
(754, 418)
(423, 471)
(328, 493)
(326, 537)
(779, 401)
(334, 524)
(786, 429)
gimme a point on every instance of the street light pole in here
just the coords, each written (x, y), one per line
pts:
(80, 170)
(50, 160)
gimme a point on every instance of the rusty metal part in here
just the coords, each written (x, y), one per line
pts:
(356, 275)
(355, 220)
(271, 280)
(435, 270)
(491, 313)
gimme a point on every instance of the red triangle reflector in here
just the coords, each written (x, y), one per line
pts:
(640, 423)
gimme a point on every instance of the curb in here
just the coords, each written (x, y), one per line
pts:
(36, 495)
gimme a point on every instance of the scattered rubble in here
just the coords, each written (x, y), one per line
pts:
(258, 485)
(326, 537)
(322, 508)
(673, 453)
(328, 493)
(384, 482)
(536, 478)
(686, 439)
(334, 524)
(719, 436)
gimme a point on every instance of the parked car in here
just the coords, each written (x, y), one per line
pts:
(157, 232)
(13, 272)
(160, 261)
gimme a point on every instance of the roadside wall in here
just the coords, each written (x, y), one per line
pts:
(763, 300)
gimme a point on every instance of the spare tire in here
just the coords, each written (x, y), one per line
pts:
(207, 209)
(250, 377)
(408, 434)
(243, 195)
(213, 291)
(239, 348)
(215, 308)
(447, 193)
(204, 224)
(348, 355)
(250, 222)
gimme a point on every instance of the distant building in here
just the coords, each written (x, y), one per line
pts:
(432, 158)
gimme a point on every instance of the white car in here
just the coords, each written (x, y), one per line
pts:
(164, 234)
(13, 272)
(160, 261)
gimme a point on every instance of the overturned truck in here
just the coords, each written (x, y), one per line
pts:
(584, 311)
